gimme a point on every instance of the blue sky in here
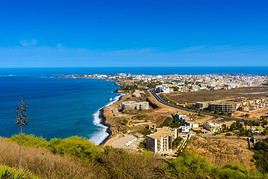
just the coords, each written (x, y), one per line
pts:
(76, 33)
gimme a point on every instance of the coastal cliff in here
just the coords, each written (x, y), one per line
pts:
(108, 118)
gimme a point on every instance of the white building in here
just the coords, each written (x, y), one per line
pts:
(163, 89)
(185, 129)
(133, 105)
(212, 126)
(161, 140)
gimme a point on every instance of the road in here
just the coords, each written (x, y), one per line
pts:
(159, 99)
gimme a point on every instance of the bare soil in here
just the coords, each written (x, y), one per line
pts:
(201, 96)
(222, 151)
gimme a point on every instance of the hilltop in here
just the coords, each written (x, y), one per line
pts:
(76, 157)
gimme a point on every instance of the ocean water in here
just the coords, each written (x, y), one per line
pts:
(57, 107)
(61, 107)
(137, 70)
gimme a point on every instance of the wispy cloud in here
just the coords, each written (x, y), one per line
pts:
(224, 55)
(28, 43)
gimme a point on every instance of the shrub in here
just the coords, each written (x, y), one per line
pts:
(261, 155)
(106, 162)
(169, 121)
(118, 163)
(176, 142)
(235, 172)
(76, 147)
(187, 166)
(229, 172)
(29, 140)
(43, 163)
(9, 173)
(145, 131)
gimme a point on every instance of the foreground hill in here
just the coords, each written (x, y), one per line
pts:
(78, 158)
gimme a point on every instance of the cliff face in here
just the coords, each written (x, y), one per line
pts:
(113, 118)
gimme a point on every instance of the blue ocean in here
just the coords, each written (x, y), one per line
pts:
(59, 107)
(56, 107)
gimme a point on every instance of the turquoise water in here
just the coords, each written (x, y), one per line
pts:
(65, 107)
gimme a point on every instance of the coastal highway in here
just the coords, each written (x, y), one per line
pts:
(159, 99)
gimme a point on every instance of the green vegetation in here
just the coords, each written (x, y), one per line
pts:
(130, 88)
(176, 142)
(76, 147)
(193, 166)
(30, 140)
(169, 121)
(145, 131)
(261, 122)
(244, 128)
(73, 146)
(261, 155)
(236, 126)
(187, 166)
(235, 172)
(9, 173)
(90, 161)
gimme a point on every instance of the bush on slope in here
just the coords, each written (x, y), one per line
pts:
(10, 173)
(106, 162)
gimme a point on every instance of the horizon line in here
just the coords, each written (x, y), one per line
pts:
(139, 67)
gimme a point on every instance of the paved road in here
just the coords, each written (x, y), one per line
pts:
(159, 99)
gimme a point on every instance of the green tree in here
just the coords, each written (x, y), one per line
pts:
(261, 155)
(176, 142)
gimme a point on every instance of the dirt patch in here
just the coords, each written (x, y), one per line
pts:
(222, 151)
(200, 96)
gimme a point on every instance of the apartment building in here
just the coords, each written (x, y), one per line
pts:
(201, 105)
(161, 140)
(227, 107)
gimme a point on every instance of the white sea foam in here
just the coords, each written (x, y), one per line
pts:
(102, 134)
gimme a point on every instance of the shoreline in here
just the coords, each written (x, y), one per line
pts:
(100, 120)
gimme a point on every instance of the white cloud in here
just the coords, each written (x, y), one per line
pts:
(28, 43)
(224, 55)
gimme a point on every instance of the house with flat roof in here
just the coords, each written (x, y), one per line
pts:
(163, 89)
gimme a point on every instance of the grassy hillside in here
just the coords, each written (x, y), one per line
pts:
(78, 158)
(221, 151)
